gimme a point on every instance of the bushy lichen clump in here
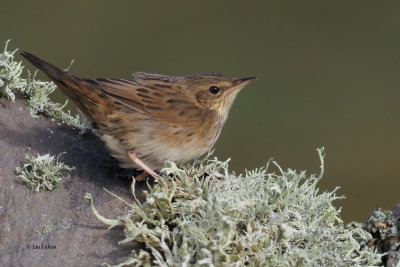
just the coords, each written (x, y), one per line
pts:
(37, 92)
(42, 172)
(204, 215)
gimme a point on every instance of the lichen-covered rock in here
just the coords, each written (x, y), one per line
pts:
(59, 220)
(203, 214)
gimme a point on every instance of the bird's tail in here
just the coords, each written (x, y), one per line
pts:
(66, 81)
(74, 87)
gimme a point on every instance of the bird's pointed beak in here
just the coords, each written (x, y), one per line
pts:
(245, 81)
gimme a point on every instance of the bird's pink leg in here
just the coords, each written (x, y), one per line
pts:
(141, 176)
(147, 169)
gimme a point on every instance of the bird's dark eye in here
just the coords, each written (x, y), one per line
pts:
(213, 90)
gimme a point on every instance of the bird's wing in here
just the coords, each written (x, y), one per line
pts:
(163, 103)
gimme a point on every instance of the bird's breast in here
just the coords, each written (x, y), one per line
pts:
(155, 142)
(182, 144)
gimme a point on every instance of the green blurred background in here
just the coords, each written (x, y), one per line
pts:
(328, 75)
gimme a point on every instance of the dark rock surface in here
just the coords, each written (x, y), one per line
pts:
(79, 238)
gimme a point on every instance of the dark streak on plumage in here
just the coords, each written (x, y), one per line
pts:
(157, 94)
(130, 100)
(147, 100)
(154, 108)
(143, 90)
(177, 101)
(116, 120)
(161, 85)
(143, 95)
(61, 82)
(93, 100)
(90, 81)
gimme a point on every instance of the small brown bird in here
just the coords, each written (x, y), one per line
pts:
(152, 118)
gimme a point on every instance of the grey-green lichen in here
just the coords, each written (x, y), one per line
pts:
(37, 92)
(204, 215)
(42, 172)
(48, 228)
